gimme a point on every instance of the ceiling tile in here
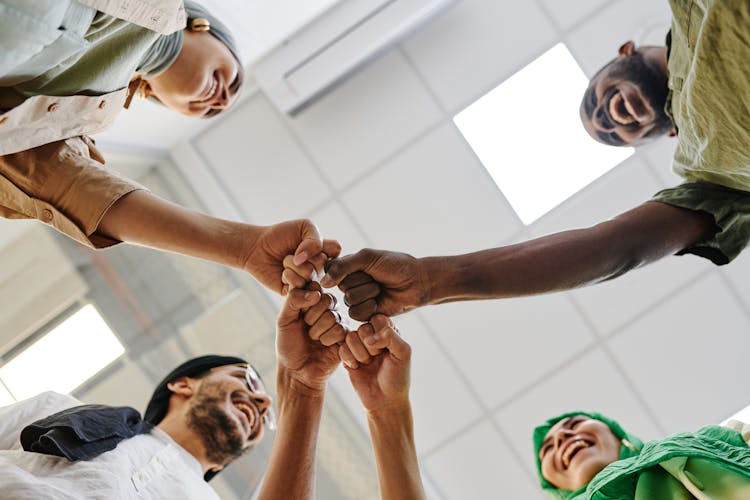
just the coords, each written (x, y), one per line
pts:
(737, 272)
(475, 45)
(433, 198)
(441, 402)
(590, 383)
(259, 163)
(366, 119)
(566, 14)
(596, 41)
(497, 343)
(688, 357)
(659, 155)
(478, 465)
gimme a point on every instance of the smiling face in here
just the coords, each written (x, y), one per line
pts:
(624, 103)
(226, 414)
(575, 450)
(204, 80)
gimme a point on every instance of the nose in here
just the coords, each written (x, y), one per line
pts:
(561, 436)
(601, 120)
(222, 98)
(262, 401)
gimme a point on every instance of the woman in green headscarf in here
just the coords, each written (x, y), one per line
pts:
(587, 456)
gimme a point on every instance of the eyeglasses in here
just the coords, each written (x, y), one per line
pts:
(255, 384)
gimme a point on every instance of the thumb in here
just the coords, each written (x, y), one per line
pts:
(310, 243)
(297, 300)
(386, 336)
(338, 269)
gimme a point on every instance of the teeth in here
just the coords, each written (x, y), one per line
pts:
(616, 113)
(572, 448)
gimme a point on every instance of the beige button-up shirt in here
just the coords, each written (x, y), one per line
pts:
(49, 169)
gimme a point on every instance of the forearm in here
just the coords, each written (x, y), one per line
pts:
(392, 433)
(143, 218)
(291, 469)
(569, 259)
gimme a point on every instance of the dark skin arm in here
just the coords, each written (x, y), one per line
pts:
(376, 281)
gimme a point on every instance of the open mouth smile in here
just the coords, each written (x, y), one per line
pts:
(250, 414)
(572, 448)
(620, 110)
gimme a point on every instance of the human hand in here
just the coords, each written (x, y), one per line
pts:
(378, 361)
(298, 238)
(378, 281)
(308, 329)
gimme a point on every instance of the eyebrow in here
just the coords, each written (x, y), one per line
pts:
(548, 439)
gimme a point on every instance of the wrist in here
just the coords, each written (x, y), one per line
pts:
(290, 384)
(243, 240)
(396, 408)
(439, 280)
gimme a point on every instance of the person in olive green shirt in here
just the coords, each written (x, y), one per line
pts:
(587, 456)
(697, 88)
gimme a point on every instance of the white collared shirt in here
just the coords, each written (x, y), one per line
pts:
(147, 466)
(162, 16)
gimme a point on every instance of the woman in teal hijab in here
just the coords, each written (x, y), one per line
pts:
(587, 456)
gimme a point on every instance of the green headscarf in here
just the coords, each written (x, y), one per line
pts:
(541, 432)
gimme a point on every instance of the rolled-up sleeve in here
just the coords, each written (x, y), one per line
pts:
(730, 209)
(63, 184)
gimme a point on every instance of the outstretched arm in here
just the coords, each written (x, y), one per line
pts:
(143, 218)
(304, 366)
(561, 261)
(378, 361)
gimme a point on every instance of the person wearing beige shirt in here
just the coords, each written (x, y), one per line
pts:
(66, 70)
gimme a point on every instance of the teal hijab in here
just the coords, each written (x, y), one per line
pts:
(541, 431)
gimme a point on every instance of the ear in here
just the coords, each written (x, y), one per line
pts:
(627, 49)
(215, 468)
(183, 386)
(672, 133)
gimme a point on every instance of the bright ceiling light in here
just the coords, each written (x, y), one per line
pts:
(528, 134)
(64, 358)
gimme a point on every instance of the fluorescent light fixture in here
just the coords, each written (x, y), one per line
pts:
(64, 358)
(528, 134)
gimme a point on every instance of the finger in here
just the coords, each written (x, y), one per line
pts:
(295, 302)
(346, 356)
(291, 279)
(341, 267)
(331, 248)
(305, 271)
(326, 321)
(363, 311)
(310, 242)
(366, 331)
(362, 293)
(334, 335)
(326, 303)
(357, 348)
(354, 280)
(386, 336)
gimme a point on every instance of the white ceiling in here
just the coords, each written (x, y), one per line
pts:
(379, 162)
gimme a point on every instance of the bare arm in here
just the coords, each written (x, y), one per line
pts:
(304, 365)
(556, 262)
(143, 218)
(378, 361)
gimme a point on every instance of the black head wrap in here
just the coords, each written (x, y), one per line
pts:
(159, 403)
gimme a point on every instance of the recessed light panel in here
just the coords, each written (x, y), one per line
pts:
(528, 134)
(64, 358)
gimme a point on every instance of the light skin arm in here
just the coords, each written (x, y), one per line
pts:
(143, 218)
(304, 366)
(378, 361)
(391, 283)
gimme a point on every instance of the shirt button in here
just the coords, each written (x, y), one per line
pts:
(46, 215)
(53, 107)
(102, 104)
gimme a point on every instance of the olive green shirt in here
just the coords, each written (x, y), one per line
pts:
(709, 82)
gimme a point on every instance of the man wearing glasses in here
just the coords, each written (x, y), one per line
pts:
(203, 415)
